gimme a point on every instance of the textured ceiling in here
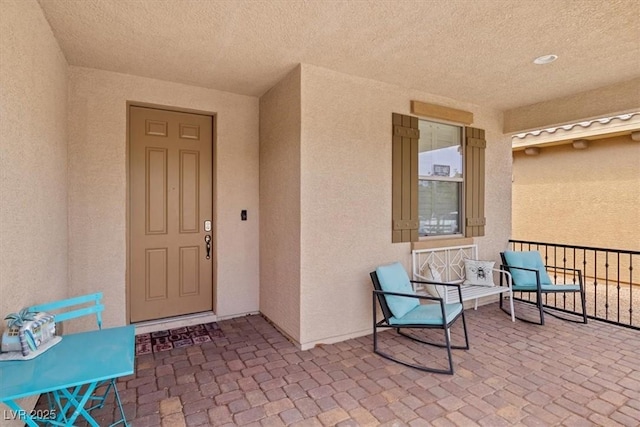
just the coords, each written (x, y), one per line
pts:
(479, 51)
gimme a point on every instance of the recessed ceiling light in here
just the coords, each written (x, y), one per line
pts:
(545, 59)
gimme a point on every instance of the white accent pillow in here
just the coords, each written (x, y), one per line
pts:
(433, 274)
(478, 272)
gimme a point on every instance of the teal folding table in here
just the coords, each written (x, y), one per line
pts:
(72, 368)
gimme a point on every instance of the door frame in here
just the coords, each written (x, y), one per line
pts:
(214, 234)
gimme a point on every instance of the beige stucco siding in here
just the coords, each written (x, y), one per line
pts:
(579, 197)
(602, 102)
(33, 183)
(346, 196)
(33, 163)
(98, 185)
(280, 204)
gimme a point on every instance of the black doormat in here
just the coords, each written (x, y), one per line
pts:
(155, 342)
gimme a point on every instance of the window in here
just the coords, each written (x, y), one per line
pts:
(440, 179)
(437, 177)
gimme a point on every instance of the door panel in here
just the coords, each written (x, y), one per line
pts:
(156, 281)
(189, 197)
(171, 197)
(156, 190)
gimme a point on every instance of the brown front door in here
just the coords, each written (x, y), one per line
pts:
(171, 203)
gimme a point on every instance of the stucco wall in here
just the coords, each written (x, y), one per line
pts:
(579, 197)
(33, 203)
(280, 204)
(601, 102)
(98, 185)
(33, 162)
(346, 195)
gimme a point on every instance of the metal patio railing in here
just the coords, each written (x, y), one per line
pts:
(611, 287)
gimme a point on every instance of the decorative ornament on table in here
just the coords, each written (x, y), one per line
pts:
(27, 332)
(18, 319)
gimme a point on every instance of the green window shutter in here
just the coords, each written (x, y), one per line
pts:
(404, 212)
(475, 145)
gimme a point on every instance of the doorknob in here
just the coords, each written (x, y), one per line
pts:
(207, 241)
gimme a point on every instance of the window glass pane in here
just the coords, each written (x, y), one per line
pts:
(440, 150)
(441, 179)
(439, 207)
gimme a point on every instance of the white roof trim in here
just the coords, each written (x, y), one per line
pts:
(592, 129)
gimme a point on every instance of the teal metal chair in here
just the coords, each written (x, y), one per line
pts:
(529, 275)
(401, 309)
(74, 308)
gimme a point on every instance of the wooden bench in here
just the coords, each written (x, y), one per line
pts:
(449, 263)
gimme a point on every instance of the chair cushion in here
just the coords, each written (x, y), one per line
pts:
(529, 259)
(428, 314)
(479, 273)
(394, 278)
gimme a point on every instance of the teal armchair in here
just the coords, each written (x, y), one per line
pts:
(529, 275)
(402, 309)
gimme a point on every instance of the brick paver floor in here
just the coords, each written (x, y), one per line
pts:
(514, 374)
